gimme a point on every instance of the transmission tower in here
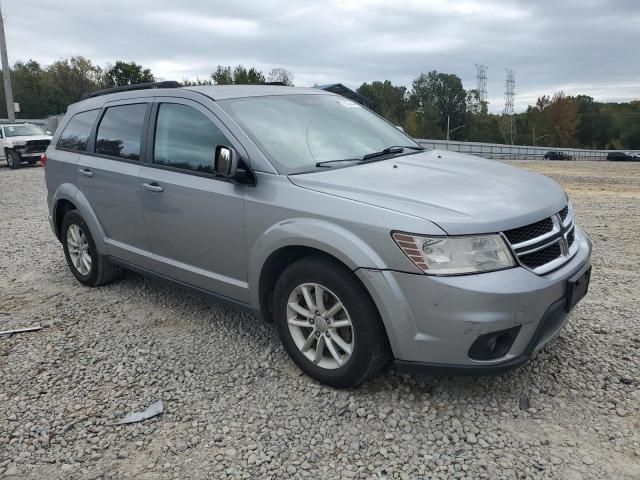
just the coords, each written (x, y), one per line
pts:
(508, 125)
(481, 85)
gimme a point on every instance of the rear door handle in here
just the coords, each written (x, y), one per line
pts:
(153, 187)
(86, 172)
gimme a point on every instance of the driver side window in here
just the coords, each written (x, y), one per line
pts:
(185, 138)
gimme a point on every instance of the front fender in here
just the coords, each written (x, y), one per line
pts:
(328, 237)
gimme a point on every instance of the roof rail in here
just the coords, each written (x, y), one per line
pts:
(136, 86)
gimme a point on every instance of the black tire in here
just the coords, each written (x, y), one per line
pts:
(102, 271)
(13, 159)
(370, 353)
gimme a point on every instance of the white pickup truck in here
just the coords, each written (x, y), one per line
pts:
(23, 142)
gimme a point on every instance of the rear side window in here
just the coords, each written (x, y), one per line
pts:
(185, 138)
(120, 131)
(75, 135)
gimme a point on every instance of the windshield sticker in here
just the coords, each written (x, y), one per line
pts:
(349, 104)
(10, 129)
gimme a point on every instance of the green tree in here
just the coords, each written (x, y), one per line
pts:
(239, 75)
(30, 89)
(388, 100)
(631, 137)
(595, 127)
(222, 76)
(126, 73)
(252, 76)
(444, 92)
(69, 79)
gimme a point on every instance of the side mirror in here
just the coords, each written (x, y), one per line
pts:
(48, 132)
(225, 162)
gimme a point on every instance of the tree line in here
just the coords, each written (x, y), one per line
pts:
(436, 103)
(42, 91)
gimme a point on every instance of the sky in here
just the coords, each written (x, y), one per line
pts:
(578, 46)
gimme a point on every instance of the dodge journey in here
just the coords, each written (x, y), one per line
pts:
(310, 210)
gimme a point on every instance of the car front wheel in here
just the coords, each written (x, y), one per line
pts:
(13, 159)
(328, 323)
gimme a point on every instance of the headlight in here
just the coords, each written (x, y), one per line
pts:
(18, 143)
(455, 255)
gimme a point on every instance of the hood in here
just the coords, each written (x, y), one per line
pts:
(462, 194)
(26, 138)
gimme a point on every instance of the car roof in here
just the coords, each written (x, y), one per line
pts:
(223, 92)
(215, 92)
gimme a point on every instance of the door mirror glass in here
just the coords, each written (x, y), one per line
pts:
(226, 161)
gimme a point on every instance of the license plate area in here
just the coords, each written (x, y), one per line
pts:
(577, 287)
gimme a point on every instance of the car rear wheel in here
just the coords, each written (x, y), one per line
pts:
(328, 323)
(85, 262)
(13, 159)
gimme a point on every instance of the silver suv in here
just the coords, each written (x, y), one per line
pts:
(321, 217)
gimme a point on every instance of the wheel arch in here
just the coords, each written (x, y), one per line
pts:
(69, 197)
(60, 209)
(289, 241)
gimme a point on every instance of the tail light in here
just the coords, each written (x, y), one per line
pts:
(43, 159)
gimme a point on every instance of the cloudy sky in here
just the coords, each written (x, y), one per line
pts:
(578, 46)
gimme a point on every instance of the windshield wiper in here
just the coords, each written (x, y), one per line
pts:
(325, 163)
(387, 151)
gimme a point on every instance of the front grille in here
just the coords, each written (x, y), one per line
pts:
(528, 232)
(563, 213)
(541, 257)
(571, 236)
(540, 245)
(36, 146)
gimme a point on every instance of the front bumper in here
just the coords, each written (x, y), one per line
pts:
(432, 321)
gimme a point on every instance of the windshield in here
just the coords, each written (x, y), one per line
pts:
(297, 131)
(22, 130)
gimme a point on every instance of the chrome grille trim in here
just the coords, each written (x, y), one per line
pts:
(563, 230)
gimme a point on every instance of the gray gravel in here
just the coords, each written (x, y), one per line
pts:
(236, 407)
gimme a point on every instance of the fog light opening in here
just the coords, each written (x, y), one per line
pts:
(493, 345)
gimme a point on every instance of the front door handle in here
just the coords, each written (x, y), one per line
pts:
(86, 172)
(153, 187)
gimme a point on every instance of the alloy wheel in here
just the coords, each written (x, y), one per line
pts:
(320, 325)
(78, 246)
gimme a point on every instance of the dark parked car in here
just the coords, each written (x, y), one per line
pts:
(557, 156)
(622, 157)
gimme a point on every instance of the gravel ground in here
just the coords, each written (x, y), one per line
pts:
(236, 407)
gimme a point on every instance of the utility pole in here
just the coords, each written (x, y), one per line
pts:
(449, 131)
(6, 74)
(447, 128)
